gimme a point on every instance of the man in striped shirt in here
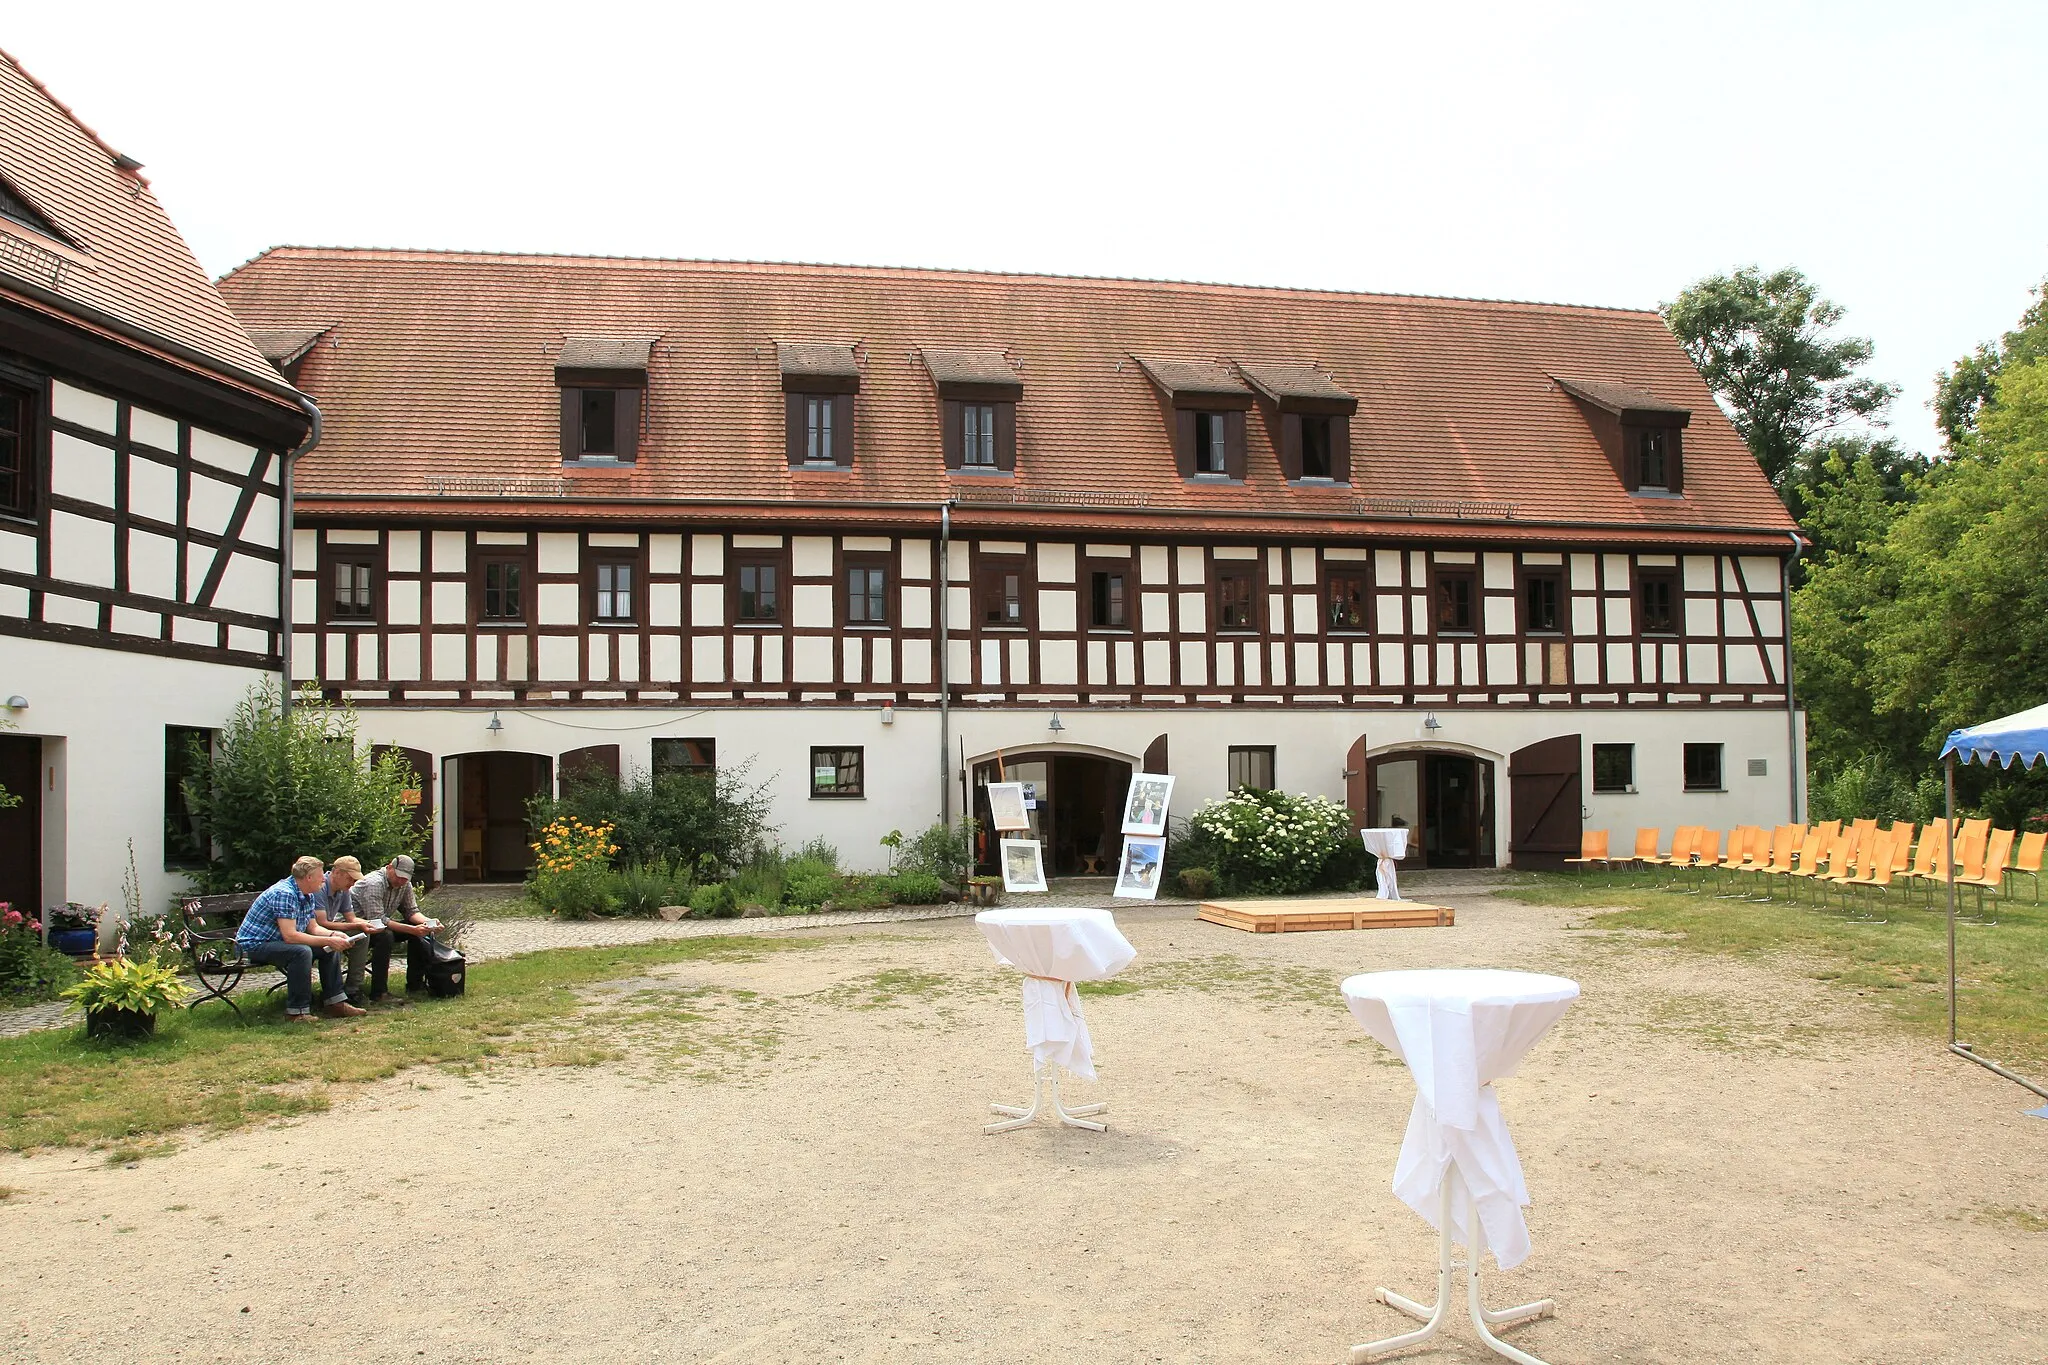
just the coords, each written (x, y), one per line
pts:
(279, 930)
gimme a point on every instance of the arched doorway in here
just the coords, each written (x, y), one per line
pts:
(487, 838)
(1445, 796)
(1073, 797)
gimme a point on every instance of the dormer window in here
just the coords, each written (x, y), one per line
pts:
(1653, 452)
(1206, 404)
(1310, 420)
(18, 210)
(978, 435)
(978, 395)
(1642, 436)
(1211, 443)
(598, 433)
(819, 381)
(603, 380)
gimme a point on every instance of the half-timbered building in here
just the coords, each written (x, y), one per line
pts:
(143, 445)
(1487, 569)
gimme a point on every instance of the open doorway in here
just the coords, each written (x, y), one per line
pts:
(1078, 800)
(487, 800)
(21, 825)
(1445, 798)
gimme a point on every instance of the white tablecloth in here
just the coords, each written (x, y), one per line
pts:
(1386, 846)
(1055, 948)
(1459, 1031)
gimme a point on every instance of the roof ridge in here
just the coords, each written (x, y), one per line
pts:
(603, 259)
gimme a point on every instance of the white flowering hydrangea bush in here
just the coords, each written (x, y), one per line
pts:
(1270, 843)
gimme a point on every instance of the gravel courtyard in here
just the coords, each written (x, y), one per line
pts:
(777, 1156)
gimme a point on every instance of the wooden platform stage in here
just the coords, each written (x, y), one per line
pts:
(1297, 916)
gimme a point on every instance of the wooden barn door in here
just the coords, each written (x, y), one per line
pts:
(1544, 821)
(421, 799)
(21, 825)
(1358, 785)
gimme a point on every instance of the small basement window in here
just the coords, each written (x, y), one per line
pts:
(1614, 767)
(1703, 768)
(836, 772)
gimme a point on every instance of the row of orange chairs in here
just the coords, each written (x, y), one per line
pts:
(1858, 857)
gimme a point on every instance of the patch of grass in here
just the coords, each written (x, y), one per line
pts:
(206, 1069)
(888, 989)
(2009, 1216)
(1271, 984)
(2001, 970)
(8, 1192)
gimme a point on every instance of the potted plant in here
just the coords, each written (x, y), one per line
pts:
(122, 998)
(982, 890)
(76, 928)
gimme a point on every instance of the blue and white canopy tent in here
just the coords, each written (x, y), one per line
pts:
(2022, 739)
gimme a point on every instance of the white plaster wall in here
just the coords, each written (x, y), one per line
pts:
(109, 710)
(1311, 743)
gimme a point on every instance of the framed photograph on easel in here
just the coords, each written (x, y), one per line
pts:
(1006, 805)
(1137, 876)
(1023, 865)
(1145, 807)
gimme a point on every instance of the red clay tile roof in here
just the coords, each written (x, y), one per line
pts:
(818, 360)
(1618, 399)
(970, 367)
(129, 263)
(1280, 382)
(1194, 376)
(283, 345)
(442, 370)
(604, 353)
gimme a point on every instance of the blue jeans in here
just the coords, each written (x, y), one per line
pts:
(296, 960)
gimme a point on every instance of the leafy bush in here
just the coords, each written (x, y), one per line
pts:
(714, 900)
(937, 851)
(572, 872)
(808, 883)
(1198, 882)
(864, 893)
(758, 881)
(280, 784)
(1869, 787)
(1270, 843)
(916, 888)
(126, 984)
(643, 889)
(682, 818)
(29, 972)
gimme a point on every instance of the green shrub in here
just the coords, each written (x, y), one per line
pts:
(1198, 882)
(280, 784)
(646, 887)
(714, 900)
(936, 851)
(916, 888)
(29, 972)
(759, 880)
(1270, 843)
(864, 893)
(590, 891)
(126, 984)
(681, 818)
(809, 882)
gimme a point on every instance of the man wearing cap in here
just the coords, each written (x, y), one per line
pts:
(278, 930)
(370, 941)
(386, 895)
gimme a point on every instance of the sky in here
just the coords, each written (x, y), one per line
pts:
(1571, 152)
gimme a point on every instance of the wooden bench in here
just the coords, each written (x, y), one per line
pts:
(217, 960)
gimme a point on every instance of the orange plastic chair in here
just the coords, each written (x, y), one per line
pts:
(1646, 847)
(1812, 852)
(1682, 841)
(1991, 875)
(1592, 849)
(1706, 853)
(2028, 860)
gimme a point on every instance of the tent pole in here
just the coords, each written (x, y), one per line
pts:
(1948, 855)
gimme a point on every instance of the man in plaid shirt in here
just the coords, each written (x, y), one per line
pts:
(279, 930)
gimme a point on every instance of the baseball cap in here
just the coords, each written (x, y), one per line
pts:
(402, 865)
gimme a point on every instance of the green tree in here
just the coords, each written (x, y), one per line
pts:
(1765, 346)
(281, 783)
(1846, 491)
(1960, 395)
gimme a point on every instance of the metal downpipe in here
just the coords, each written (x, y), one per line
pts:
(1793, 765)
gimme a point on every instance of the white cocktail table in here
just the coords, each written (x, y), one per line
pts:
(1387, 846)
(1054, 948)
(1459, 1031)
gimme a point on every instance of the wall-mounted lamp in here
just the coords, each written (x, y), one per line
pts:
(1055, 725)
(1431, 723)
(17, 702)
(888, 713)
(496, 724)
